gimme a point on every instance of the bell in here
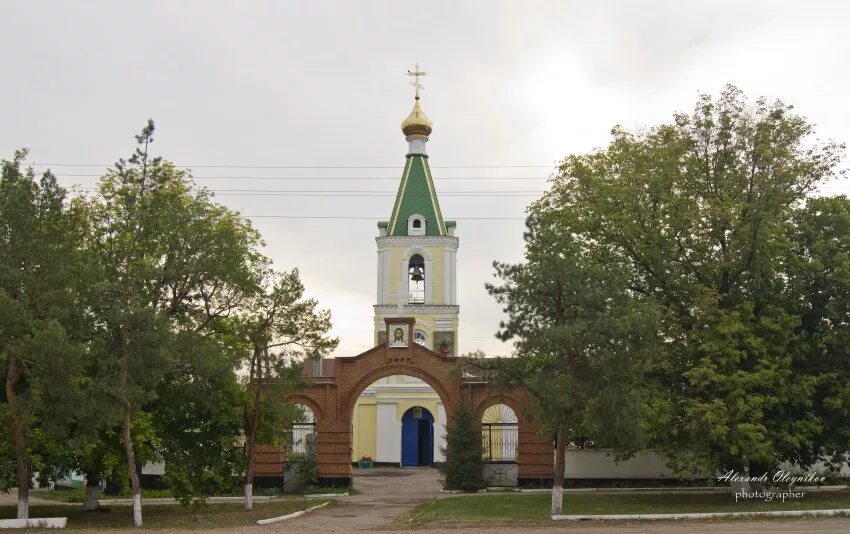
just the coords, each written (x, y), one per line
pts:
(417, 274)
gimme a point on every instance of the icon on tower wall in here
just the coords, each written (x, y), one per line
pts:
(398, 335)
(444, 343)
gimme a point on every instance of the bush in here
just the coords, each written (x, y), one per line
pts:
(305, 466)
(463, 468)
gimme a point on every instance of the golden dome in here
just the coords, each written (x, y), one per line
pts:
(416, 123)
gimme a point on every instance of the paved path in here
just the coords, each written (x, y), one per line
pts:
(386, 496)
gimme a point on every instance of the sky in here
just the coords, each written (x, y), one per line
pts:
(315, 93)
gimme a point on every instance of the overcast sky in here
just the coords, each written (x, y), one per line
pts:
(320, 84)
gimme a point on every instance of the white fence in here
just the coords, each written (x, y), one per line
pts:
(599, 463)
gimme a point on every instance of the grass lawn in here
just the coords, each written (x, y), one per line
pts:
(535, 507)
(168, 516)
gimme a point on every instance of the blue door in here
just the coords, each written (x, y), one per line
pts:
(417, 437)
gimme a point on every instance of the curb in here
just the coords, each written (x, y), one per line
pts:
(293, 515)
(702, 489)
(325, 495)
(34, 522)
(170, 500)
(706, 515)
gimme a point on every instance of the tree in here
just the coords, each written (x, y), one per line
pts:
(198, 418)
(581, 338)
(463, 468)
(817, 270)
(172, 261)
(697, 214)
(40, 267)
(280, 329)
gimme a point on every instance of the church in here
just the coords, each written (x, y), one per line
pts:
(400, 420)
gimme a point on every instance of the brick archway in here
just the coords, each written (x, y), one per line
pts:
(347, 404)
(334, 390)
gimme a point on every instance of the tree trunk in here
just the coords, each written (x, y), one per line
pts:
(126, 435)
(249, 470)
(135, 487)
(252, 421)
(558, 473)
(21, 459)
(91, 502)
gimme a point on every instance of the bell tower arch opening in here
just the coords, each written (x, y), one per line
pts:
(416, 280)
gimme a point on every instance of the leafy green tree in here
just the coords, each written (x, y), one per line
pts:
(280, 329)
(198, 418)
(817, 271)
(582, 339)
(171, 260)
(464, 465)
(697, 214)
(96, 452)
(40, 268)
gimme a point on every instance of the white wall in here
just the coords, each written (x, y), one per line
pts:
(388, 440)
(440, 433)
(600, 464)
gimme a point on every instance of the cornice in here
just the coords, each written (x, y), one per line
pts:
(413, 308)
(413, 240)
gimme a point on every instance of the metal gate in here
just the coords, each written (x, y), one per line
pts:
(302, 439)
(499, 442)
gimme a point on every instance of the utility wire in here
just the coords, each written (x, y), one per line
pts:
(374, 218)
(353, 191)
(550, 166)
(395, 178)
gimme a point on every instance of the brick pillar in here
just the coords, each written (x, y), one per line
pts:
(333, 452)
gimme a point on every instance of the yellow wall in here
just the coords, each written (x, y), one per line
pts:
(365, 421)
(365, 425)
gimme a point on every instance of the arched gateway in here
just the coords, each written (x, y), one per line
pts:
(335, 388)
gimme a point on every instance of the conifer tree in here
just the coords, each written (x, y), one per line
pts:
(464, 465)
(40, 272)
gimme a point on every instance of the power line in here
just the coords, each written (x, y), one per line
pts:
(395, 178)
(317, 195)
(354, 191)
(354, 218)
(550, 166)
(337, 217)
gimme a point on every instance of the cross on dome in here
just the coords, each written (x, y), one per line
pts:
(416, 125)
(416, 73)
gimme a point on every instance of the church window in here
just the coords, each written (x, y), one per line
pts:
(420, 337)
(416, 280)
(416, 225)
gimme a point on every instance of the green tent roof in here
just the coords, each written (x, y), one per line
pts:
(416, 195)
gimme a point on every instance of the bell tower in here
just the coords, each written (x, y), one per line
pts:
(417, 249)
